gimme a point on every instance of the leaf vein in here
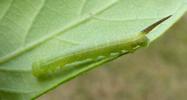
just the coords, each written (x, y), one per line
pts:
(33, 20)
(48, 37)
(5, 13)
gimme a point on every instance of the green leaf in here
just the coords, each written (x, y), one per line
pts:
(44, 43)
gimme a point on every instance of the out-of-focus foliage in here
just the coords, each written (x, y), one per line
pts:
(156, 73)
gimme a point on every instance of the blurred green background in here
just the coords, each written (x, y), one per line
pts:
(158, 72)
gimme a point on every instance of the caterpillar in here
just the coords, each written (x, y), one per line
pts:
(48, 67)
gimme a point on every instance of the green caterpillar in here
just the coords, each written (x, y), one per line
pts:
(45, 68)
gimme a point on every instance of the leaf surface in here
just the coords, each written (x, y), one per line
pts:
(64, 38)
